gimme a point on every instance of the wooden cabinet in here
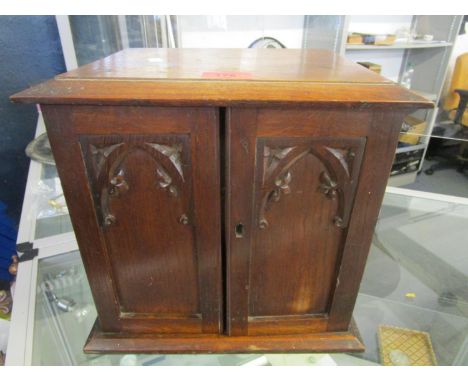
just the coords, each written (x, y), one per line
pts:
(222, 210)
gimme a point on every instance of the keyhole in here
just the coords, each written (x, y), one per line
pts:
(239, 230)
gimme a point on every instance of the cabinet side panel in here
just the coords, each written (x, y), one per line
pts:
(72, 172)
(377, 162)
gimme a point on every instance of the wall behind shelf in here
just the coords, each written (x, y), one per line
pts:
(239, 31)
(387, 24)
(390, 60)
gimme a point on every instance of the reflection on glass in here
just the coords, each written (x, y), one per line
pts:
(416, 280)
(65, 314)
(96, 37)
(52, 216)
(416, 276)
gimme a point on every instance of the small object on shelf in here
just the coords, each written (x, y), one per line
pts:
(371, 39)
(39, 150)
(355, 38)
(405, 347)
(402, 35)
(407, 76)
(388, 39)
(64, 304)
(50, 199)
(412, 129)
(58, 203)
(376, 68)
(428, 37)
(410, 295)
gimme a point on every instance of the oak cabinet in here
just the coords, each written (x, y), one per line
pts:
(220, 210)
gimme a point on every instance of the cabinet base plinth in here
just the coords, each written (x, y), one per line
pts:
(102, 342)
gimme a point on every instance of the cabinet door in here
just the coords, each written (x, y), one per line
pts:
(142, 186)
(304, 191)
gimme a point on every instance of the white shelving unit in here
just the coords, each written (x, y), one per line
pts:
(428, 58)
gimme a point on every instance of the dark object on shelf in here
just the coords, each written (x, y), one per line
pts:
(376, 68)
(407, 161)
(456, 105)
(460, 157)
(448, 299)
(267, 42)
(64, 304)
(39, 150)
(218, 216)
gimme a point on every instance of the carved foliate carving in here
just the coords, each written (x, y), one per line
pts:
(109, 175)
(327, 185)
(101, 154)
(345, 156)
(337, 181)
(172, 152)
(165, 181)
(272, 157)
(119, 185)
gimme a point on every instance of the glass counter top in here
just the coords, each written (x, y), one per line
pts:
(415, 283)
(52, 216)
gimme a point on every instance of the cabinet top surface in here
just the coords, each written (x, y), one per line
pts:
(305, 65)
(221, 77)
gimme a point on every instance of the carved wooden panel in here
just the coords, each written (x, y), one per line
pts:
(304, 191)
(143, 197)
(337, 180)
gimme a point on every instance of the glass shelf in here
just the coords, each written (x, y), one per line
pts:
(52, 216)
(415, 278)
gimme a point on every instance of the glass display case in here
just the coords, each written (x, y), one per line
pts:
(414, 285)
(44, 214)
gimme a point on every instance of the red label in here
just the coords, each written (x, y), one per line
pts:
(224, 75)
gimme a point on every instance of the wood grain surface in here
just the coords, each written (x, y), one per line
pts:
(101, 342)
(178, 77)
